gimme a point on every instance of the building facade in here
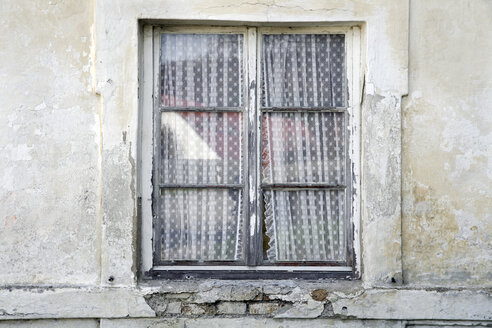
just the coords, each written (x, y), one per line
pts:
(74, 192)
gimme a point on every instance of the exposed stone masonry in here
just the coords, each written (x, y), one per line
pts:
(243, 302)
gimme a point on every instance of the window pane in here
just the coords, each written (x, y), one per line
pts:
(201, 70)
(201, 148)
(200, 224)
(305, 225)
(303, 70)
(303, 147)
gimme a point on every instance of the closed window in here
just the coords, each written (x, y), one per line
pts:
(253, 150)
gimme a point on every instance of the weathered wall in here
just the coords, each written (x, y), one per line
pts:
(49, 171)
(68, 180)
(50, 324)
(447, 145)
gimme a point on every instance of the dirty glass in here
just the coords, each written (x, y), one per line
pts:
(303, 70)
(303, 147)
(305, 225)
(303, 152)
(201, 148)
(201, 70)
(200, 153)
(200, 224)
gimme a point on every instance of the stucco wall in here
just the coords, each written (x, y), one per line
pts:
(68, 178)
(447, 145)
(49, 141)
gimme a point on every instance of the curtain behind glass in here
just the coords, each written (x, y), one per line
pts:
(201, 224)
(303, 147)
(304, 71)
(200, 149)
(201, 70)
(305, 225)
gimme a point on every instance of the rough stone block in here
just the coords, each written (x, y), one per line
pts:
(173, 308)
(319, 295)
(264, 307)
(239, 292)
(198, 309)
(231, 308)
(309, 309)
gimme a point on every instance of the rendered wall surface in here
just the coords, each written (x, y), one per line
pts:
(50, 324)
(69, 170)
(49, 141)
(447, 145)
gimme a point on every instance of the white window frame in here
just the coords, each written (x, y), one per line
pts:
(252, 116)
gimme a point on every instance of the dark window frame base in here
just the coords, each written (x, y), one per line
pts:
(249, 275)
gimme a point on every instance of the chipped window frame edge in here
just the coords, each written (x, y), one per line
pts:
(149, 58)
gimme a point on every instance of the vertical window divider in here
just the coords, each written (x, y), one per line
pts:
(258, 168)
(355, 145)
(146, 118)
(254, 251)
(349, 103)
(156, 201)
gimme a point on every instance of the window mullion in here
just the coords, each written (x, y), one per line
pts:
(254, 229)
(156, 200)
(146, 150)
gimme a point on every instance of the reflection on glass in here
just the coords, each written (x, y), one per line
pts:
(201, 70)
(305, 225)
(201, 148)
(200, 224)
(303, 147)
(303, 70)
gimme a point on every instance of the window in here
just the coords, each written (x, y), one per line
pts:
(252, 139)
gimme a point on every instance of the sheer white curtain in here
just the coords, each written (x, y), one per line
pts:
(304, 71)
(204, 148)
(201, 148)
(201, 70)
(201, 224)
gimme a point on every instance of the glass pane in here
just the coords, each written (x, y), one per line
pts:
(200, 224)
(303, 70)
(201, 70)
(305, 225)
(303, 147)
(201, 148)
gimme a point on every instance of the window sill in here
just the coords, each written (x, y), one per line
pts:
(346, 298)
(268, 273)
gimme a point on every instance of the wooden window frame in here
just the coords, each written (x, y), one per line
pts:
(251, 268)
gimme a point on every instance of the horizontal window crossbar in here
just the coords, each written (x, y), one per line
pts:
(303, 109)
(202, 186)
(202, 109)
(294, 185)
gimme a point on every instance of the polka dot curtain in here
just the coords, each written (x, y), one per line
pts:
(201, 148)
(205, 148)
(201, 70)
(201, 224)
(304, 71)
